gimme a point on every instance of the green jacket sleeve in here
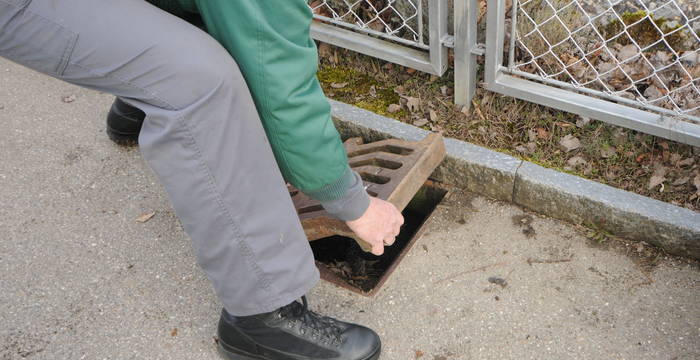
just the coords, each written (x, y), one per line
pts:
(270, 41)
(271, 44)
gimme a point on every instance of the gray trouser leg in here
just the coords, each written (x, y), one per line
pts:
(202, 135)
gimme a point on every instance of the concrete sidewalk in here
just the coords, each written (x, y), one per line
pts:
(81, 279)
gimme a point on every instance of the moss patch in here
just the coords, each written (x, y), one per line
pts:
(364, 91)
(644, 28)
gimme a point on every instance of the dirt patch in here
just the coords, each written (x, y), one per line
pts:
(74, 155)
(20, 344)
(525, 222)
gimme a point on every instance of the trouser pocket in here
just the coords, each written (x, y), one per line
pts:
(32, 40)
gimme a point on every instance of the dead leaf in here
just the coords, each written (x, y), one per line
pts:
(145, 217)
(569, 143)
(316, 4)
(478, 112)
(564, 124)
(393, 108)
(173, 332)
(542, 133)
(583, 121)
(640, 157)
(412, 103)
(687, 162)
(420, 122)
(339, 85)
(377, 26)
(433, 115)
(611, 175)
(627, 52)
(576, 161)
(69, 99)
(531, 147)
(410, 71)
(532, 135)
(443, 90)
(657, 178)
(665, 156)
(608, 152)
(436, 128)
(324, 50)
(675, 158)
(681, 181)
(696, 182)
(653, 92)
(419, 354)
(372, 91)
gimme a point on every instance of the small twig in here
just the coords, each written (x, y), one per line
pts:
(648, 281)
(470, 271)
(478, 111)
(443, 103)
(531, 261)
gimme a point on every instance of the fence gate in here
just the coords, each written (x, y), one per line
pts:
(412, 33)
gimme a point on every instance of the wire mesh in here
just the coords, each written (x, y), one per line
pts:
(638, 51)
(401, 21)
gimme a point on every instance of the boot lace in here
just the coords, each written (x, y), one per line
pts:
(315, 325)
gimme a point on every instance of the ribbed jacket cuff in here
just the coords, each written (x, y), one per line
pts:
(346, 199)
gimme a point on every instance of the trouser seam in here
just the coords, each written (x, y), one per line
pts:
(126, 82)
(247, 251)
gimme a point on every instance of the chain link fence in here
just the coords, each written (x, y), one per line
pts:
(407, 32)
(633, 63)
(401, 21)
(645, 53)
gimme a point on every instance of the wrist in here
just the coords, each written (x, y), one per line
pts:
(353, 203)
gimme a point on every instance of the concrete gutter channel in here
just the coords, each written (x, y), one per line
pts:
(499, 176)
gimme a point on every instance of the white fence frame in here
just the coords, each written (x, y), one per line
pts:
(431, 59)
(505, 80)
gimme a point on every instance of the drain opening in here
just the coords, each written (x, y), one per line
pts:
(342, 262)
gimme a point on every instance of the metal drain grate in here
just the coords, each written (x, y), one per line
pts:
(392, 170)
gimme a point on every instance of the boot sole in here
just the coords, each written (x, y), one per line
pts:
(229, 353)
(122, 139)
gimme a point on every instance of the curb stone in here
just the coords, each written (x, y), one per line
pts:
(548, 192)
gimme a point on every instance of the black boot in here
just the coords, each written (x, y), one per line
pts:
(124, 123)
(294, 332)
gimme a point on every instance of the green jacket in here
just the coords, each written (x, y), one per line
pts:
(270, 41)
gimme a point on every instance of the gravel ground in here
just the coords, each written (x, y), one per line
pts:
(81, 279)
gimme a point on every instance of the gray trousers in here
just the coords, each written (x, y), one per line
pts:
(202, 135)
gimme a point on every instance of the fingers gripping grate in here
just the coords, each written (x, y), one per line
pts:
(392, 170)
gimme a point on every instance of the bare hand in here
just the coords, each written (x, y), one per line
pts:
(379, 225)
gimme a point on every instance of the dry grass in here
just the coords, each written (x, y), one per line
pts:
(615, 156)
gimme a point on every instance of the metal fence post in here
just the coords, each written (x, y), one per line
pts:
(465, 23)
(495, 23)
(437, 21)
